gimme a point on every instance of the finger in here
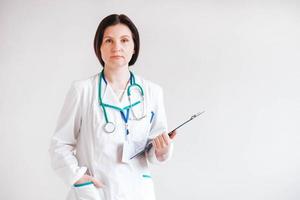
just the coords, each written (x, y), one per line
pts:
(154, 144)
(166, 139)
(97, 183)
(157, 143)
(85, 178)
(162, 142)
(173, 134)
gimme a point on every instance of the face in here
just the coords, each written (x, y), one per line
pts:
(117, 46)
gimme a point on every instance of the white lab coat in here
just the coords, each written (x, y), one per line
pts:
(80, 145)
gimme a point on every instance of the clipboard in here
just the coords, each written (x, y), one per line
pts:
(149, 143)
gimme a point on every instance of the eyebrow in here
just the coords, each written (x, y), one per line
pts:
(112, 37)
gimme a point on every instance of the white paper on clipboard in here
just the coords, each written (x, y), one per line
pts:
(148, 145)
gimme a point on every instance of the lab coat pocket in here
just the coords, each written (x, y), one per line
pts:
(86, 192)
(147, 187)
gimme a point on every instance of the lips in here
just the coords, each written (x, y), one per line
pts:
(116, 56)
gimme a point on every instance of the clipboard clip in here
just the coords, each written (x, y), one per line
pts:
(197, 114)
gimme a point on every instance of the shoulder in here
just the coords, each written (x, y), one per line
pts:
(84, 84)
(151, 87)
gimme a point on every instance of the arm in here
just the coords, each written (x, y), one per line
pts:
(63, 142)
(162, 144)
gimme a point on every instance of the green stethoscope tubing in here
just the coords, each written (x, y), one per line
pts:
(126, 108)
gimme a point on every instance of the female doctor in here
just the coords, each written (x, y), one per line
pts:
(107, 119)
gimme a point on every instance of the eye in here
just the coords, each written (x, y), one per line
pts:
(108, 41)
(124, 40)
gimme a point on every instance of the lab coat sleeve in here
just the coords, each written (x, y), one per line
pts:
(63, 142)
(158, 126)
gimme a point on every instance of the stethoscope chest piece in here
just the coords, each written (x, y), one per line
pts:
(109, 127)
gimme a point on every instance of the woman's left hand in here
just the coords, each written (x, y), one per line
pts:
(162, 144)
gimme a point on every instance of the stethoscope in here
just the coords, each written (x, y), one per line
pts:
(109, 126)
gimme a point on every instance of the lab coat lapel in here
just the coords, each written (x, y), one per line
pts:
(124, 101)
(109, 97)
(113, 98)
(135, 97)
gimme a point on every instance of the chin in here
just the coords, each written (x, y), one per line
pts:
(116, 65)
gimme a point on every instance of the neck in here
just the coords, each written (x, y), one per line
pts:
(118, 78)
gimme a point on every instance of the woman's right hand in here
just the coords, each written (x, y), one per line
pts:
(87, 178)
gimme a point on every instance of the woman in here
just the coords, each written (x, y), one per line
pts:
(107, 119)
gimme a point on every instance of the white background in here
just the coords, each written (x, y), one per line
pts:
(237, 60)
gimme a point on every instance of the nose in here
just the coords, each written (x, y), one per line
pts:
(117, 46)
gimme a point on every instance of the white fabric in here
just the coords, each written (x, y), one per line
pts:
(80, 143)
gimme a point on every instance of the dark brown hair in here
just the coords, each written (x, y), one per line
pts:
(113, 20)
